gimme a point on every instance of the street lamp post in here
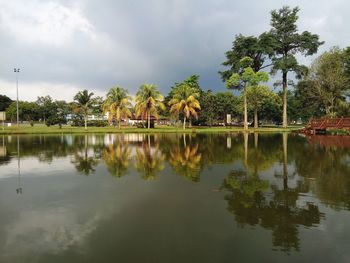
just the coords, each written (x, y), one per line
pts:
(16, 70)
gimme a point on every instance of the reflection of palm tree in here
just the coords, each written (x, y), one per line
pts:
(149, 162)
(83, 163)
(117, 158)
(186, 162)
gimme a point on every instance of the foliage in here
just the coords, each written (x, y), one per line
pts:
(207, 113)
(117, 105)
(148, 101)
(257, 48)
(246, 78)
(28, 111)
(257, 97)
(83, 103)
(4, 102)
(328, 84)
(287, 42)
(185, 101)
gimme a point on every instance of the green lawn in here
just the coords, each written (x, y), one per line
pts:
(42, 129)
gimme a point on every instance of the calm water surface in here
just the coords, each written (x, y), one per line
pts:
(174, 198)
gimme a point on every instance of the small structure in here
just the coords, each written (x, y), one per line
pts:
(138, 120)
(316, 126)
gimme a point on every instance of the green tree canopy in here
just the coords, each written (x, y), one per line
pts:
(257, 48)
(4, 102)
(328, 81)
(247, 77)
(257, 97)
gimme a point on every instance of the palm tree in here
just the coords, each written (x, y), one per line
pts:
(83, 103)
(185, 101)
(148, 100)
(117, 104)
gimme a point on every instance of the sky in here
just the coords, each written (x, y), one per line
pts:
(63, 46)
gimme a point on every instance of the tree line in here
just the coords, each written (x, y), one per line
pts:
(319, 90)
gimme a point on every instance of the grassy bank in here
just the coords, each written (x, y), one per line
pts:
(41, 129)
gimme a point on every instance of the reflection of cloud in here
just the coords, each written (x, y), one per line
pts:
(49, 231)
(33, 167)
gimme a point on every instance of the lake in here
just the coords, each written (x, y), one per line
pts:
(174, 198)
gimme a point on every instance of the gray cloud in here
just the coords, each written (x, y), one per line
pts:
(64, 46)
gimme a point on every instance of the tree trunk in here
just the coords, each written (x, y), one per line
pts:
(85, 117)
(245, 108)
(332, 108)
(256, 121)
(184, 125)
(149, 120)
(119, 124)
(285, 90)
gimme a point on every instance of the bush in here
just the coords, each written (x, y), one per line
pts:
(98, 123)
(139, 125)
(93, 123)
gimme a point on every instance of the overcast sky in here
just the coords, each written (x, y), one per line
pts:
(62, 46)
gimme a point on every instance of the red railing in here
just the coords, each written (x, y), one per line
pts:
(329, 123)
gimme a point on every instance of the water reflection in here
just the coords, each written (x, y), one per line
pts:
(19, 188)
(116, 157)
(281, 183)
(84, 162)
(255, 201)
(149, 158)
(186, 159)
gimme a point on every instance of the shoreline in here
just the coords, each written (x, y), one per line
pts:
(81, 130)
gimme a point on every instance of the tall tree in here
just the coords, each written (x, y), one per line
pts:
(117, 104)
(185, 100)
(83, 104)
(248, 77)
(287, 43)
(148, 101)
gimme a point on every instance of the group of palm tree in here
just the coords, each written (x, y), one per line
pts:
(148, 103)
